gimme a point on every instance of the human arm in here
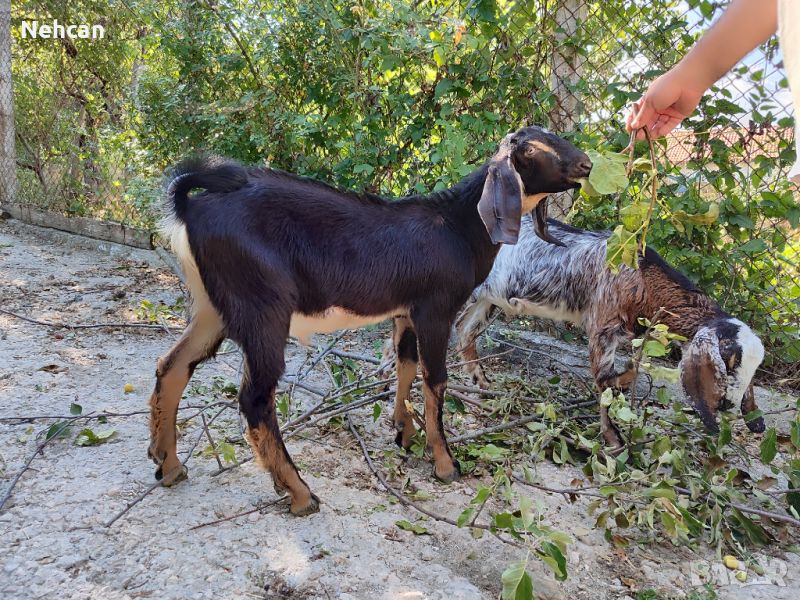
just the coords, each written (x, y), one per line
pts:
(674, 95)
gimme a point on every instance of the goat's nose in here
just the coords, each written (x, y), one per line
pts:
(584, 167)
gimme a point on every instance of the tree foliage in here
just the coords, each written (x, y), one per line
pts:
(395, 97)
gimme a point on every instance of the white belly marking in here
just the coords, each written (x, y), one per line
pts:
(303, 326)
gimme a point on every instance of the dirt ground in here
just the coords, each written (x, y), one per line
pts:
(53, 538)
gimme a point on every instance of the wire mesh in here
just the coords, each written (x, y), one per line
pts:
(395, 97)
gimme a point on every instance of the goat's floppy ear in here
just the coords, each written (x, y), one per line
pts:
(703, 376)
(540, 223)
(500, 206)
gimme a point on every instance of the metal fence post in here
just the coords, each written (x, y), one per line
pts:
(8, 162)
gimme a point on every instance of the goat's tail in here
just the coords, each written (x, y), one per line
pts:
(210, 173)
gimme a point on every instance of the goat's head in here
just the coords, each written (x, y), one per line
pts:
(529, 164)
(717, 370)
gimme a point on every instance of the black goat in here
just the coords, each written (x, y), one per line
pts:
(268, 254)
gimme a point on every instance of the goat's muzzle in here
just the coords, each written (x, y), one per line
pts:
(580, 169)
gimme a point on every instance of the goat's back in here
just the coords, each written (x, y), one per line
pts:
(321, 247)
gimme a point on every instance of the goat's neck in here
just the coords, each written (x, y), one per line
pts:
(459, 206)
(683, 310)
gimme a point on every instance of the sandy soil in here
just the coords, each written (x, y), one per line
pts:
(53, 539)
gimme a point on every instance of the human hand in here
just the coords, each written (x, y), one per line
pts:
(668, 101)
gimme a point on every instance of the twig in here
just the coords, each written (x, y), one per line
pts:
(90, 326)
(153, 486)
(404, 500)
(27, 464)
(210, 440)
(581, 491)
(345, 409)
(354, 356)
(467, 399)
(241, 514)
(108, 415)
(747, 509)
(516, 423)
(231, 467)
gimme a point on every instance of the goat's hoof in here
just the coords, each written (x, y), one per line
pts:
(756, 425)
(173, 476)
(453, 475)
(309, 508)
(480, 379)
(405, 435)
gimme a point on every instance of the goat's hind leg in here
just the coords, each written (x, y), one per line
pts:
(471, 322)
(405, 346)
(199, 341)
(602, 351)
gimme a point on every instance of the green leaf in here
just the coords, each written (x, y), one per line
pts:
(517, 584)
(795, 433)
(608, 173)
(438, 57)
(753, 415)
(725, 435)
(754, 531)
(377, 409)
(504, 520)
(554, 558)
(654, 348)
(363, 168)
(465, 516)
(75, 409)
(57, 429)
(414, 528)
(705, 219)
(227, 451)
(87, 437)
(753, 246)
(660, 491)
(769, 446)
(666, 374)
(442, 88)
(622, 249)
(633, 215)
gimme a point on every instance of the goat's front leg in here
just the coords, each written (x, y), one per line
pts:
(433, 333)
(264, 365)
(602, 351)
(199, 341)
(406, 358)
(469, 325)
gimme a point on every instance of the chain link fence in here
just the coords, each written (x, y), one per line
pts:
(394, 97)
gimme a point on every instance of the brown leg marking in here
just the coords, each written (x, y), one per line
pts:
(470, 323)
(445, 468)
(602, 350)
(405, 344)
(473, 367)
(271, 454)
(198, 342)
(608, 430)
